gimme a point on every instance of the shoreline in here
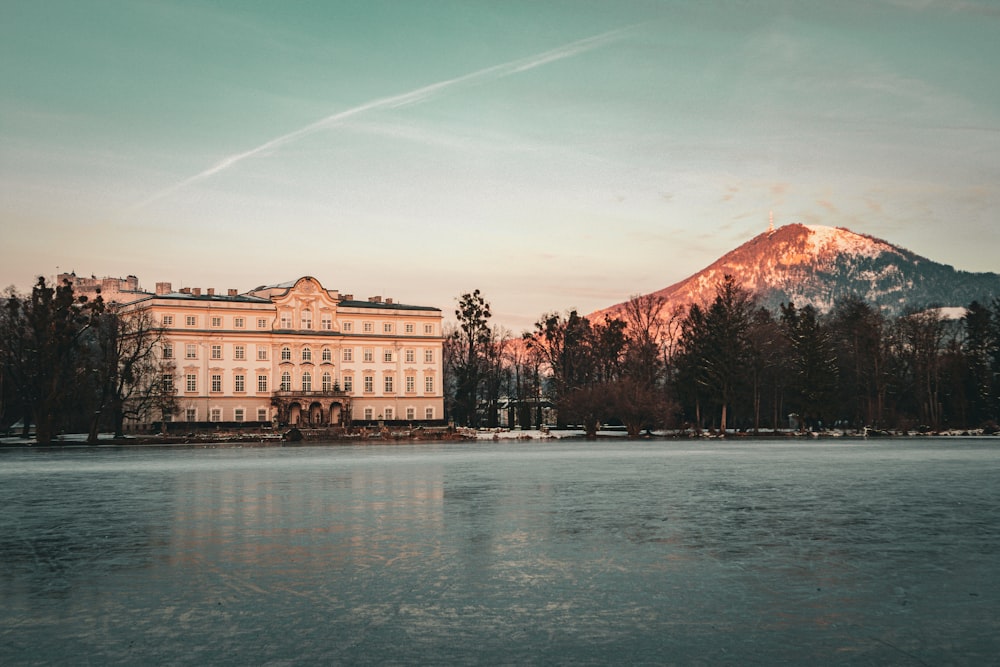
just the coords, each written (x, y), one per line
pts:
(313, 437)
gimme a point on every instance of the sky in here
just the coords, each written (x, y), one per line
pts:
(553, 155)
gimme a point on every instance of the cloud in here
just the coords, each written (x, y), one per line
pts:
(412, 97)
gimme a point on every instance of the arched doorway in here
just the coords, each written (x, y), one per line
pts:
(315, 417)
(294, 414)
(336, 413)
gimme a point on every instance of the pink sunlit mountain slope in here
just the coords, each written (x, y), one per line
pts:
(811, 264)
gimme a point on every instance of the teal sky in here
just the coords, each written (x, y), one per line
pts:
(551, 154)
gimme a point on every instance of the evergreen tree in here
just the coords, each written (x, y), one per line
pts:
(981, 351)
(856, 329)
(715, 346)
(470, 343)
(813, 363)
(44, 354)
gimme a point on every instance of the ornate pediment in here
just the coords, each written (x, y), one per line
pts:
(306, 304)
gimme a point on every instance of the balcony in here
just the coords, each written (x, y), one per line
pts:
(298, 393)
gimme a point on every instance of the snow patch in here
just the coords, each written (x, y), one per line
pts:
(841, 240)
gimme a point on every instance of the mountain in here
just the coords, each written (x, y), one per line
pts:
(811, 264)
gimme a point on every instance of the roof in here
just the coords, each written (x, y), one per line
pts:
(383, 305)
(181, 296)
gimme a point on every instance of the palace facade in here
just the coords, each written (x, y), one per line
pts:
(298, 354)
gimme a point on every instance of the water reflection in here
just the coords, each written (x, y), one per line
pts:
(529, 553)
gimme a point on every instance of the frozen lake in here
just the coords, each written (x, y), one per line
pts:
(824, 552)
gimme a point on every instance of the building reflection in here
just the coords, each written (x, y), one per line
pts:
(303, 519)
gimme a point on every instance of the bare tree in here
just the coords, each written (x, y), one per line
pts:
(130, 372)
(646, 329)
(524, 366)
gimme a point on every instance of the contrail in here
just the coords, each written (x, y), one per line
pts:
(401, 100)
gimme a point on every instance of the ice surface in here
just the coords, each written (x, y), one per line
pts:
(504, 553)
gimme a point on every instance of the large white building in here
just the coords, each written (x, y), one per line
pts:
(299, 354)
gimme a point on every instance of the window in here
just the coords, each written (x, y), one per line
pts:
(190, 351)
(239, 323)
(191, 320)
(168, 321)
(387, 327)
(368, 414)
(348, 383)
(369, 327)
(191, 382)
(348, 354)
(216, 322)
(411, 414)
(429, 329)
(429, 384)
(369, 354)
(286, 353)
(389, 413)
(408, 327)
(347, 327)
(429, 413)
(369, 384)
(286, 381)
(167, 383)
(168, 350)
(239, 383)
(238, 414)
(261, 383)
(216, 383)
(307, 354)
(216, 351)
(428, 356)
(411, 384)
(191, 414)
(262, 414)
(326, 322)
(411, 356)
(239, 352)
(216, 415)
(261, 353)
(307, 381)
(286, 321)
(327, 382)
(307, 319)
(261, 322)
(387, 356)
(388, 384)
(327, 354)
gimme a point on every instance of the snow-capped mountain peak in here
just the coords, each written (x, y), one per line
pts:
(817, 265)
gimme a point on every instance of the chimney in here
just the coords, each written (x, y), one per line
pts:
(185, 290)
(232, 292)
(348, 297)
(164, 288)
(375, 299)
(196, 291)
(211, 291)
(388, 301)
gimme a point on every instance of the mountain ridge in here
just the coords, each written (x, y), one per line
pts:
(817, 265)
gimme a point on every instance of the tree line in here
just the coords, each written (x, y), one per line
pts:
(729, 364)
(77, 365)
(69, 364)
